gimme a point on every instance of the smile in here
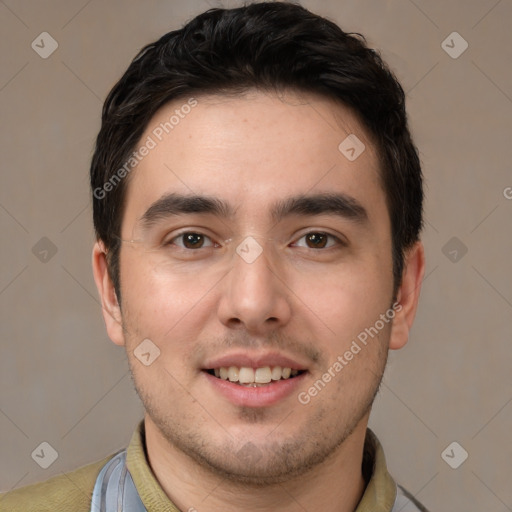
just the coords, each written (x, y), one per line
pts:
(254, 377)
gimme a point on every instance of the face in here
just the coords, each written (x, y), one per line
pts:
(255, 250)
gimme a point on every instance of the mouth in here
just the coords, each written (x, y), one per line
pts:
(254, 377)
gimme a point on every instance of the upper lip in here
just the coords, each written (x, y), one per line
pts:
(247, 360)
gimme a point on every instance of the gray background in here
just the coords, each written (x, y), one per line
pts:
(61, 379)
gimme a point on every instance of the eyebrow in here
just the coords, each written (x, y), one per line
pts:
(339, 204)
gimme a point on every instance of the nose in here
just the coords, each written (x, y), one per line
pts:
(255, 295)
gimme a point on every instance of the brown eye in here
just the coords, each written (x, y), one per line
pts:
(316, 240)
(319, 240)
(192, 240)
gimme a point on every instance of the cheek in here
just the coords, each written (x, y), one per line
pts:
(161, 304)
(345, 299)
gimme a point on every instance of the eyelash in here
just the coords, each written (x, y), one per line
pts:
(339, 242)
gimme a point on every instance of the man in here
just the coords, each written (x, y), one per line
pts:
(258, 204)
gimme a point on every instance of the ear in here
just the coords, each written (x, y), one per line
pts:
(106, 290)
(408, 296)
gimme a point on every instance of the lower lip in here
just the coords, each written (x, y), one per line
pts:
(260, 396)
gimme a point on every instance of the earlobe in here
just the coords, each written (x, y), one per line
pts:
(106, 290)
(408, 296)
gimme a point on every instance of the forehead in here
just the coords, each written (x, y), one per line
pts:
(253, 150)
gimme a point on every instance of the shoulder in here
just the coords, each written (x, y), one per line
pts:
(65, 492)
(406, 502)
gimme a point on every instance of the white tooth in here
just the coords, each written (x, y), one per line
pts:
(246, 375)
(263, 375)
(233, 374)
(294, 372)
(276, 373)
(224, 373)
(217, 372)
(286, 373)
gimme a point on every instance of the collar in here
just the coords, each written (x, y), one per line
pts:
(379, 495)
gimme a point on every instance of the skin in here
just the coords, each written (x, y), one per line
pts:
(306, 302)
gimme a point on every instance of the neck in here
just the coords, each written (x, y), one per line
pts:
(336, 485)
